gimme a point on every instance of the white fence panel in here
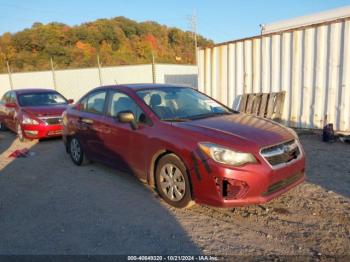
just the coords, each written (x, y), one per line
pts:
(176, 74)
(76, 82)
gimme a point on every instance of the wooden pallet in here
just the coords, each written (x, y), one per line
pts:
(267, 105)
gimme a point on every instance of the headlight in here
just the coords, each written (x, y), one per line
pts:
(29, 121)
(226, 156)
(64, 118)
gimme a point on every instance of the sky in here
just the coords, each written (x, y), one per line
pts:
(219, 20)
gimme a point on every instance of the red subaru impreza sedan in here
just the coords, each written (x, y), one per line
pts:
(188, 146)
(33, 113)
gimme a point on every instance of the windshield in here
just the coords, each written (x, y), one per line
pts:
(181, 104)
(41, 99)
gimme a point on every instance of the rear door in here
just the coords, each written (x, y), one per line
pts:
(12, 112)
(9, 114)
(3, 109)
(89, 124)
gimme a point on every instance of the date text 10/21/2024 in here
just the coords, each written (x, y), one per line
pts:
(173, 258)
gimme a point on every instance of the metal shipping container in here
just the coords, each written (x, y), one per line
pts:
(311, 63)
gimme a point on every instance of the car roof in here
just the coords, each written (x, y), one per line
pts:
(137, 87)
(33, 90)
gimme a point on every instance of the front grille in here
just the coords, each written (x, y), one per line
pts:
(281, 153)
(52, 120)
(282, 184)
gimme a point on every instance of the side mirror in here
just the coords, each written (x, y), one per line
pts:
(70, 101)
(78, 107)
(11, 105)
(128, 117)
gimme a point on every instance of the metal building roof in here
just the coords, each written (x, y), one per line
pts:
(306, 20)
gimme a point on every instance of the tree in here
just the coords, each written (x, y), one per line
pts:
(117, 41)
(106, 54)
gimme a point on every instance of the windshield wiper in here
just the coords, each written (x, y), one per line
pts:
(210, 115)
(176, 119)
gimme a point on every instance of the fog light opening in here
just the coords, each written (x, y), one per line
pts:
(31, 132)
(218, 184)
(234, 189)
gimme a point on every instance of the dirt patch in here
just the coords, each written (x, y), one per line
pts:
(305, 221)
(313, 219)
(97, 210)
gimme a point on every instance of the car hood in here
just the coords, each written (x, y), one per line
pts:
(42, 111)
(254, 130)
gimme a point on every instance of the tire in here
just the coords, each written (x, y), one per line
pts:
(20, 133)
(2, 127)
(172, 182)
(76, 152)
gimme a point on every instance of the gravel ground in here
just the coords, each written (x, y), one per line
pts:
(50, 206)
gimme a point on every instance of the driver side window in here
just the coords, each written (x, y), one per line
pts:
(120, 102)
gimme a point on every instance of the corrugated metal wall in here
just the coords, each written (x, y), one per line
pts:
(312, 64)
(76, 82)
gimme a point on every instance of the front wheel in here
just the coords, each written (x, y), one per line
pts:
(2, 126)
(76, 152)
(172, 181)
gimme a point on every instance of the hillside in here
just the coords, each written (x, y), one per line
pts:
(118, 41)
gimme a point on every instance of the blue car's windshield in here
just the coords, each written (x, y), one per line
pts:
(181, 104)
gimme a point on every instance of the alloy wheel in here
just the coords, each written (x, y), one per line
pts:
(172, 182)
(75, 149)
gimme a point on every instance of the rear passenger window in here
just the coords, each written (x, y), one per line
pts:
(13, 97)
(94, 103)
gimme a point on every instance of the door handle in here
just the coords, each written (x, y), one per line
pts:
(87, 121)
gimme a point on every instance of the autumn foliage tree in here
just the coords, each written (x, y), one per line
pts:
(117, 41)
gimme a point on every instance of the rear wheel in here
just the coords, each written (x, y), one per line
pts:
(173, 182)
(76, 152)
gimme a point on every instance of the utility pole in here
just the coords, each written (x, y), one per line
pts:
(193, 27)
(153, 69)
(9, 73)
(262, 28)
(99, 69)
(53, 74)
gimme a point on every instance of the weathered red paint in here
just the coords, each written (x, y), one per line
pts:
(136, 151)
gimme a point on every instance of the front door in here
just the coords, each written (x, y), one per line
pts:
(127, 146)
